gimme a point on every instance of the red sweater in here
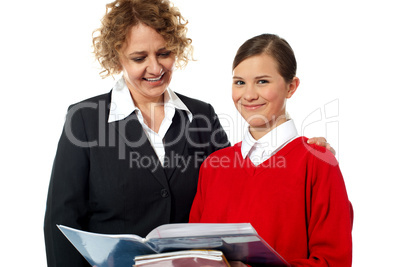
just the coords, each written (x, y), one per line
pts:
(296, 200)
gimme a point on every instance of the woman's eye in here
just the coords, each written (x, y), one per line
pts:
(165, 54)
(138, 59)
(239, 82)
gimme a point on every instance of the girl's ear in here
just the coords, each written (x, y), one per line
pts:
(292, 87)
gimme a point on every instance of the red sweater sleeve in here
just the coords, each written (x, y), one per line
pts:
(330, 216)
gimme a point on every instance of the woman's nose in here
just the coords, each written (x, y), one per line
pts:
(154, 67)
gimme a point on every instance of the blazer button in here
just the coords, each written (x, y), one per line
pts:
(164, 192)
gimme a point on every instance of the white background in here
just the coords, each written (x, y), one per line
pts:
(349, 55)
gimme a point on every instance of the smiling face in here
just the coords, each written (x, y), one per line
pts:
(146, 64)
(259, 93)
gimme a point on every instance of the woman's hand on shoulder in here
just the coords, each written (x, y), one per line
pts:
(321, 141)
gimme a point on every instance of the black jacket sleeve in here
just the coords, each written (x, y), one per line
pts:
(68, 193)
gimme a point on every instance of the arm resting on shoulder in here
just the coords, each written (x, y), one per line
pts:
(321, 141)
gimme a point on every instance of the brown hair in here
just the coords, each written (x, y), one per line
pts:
(271, 45)
(122, 15)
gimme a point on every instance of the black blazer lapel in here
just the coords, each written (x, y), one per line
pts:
(132, 137)
(175, 143)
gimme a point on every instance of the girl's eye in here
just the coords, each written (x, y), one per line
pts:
(262, 81)
(239, 82)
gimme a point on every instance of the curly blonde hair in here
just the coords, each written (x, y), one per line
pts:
(122, 15)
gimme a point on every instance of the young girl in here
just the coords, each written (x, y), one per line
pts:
(291, 192)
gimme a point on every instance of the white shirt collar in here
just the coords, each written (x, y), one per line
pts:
(122, 105)
(270, 143)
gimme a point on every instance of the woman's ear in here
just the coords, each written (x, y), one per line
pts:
(292, 86)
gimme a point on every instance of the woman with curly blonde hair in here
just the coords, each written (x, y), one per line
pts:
(122, 15)
(128, 160)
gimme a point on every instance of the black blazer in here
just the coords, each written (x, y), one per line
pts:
(107, 178)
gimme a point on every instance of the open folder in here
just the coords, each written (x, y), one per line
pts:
(238, 242)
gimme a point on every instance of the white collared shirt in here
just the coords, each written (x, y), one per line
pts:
(122, 105)
(260, 150)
